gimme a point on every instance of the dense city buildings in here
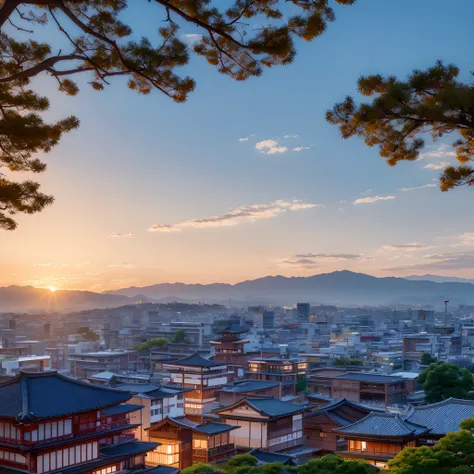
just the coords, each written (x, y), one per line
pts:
(176, 385)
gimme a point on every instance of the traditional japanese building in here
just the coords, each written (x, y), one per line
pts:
(319, 424)
(379, 437)
(183, 442)
(266, 423)
(229, 348)
(201, 375)
(278, 369)
(238, 390)
(441, 418)
(50, 423)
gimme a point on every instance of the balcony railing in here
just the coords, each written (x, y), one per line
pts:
(286, 445)
(208, 454)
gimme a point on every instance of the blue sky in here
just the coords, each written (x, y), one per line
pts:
(139, 161)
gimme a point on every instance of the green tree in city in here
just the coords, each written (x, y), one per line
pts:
(332, 464)
(179, 337)
(427, 359)
(401, 111)
(301, 384)
(444, 380)
(344, 361)
(98, 44)
(151, 343)
(87, 334)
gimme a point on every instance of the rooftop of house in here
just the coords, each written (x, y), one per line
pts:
(194, 360)
(442, 417)
(233, 328)
(244, 386)
(369, 377)
(342, 411)
(34, 396)
(121, 409)
(212, 428)
(272, 407)
(265, 457)
(383, 425)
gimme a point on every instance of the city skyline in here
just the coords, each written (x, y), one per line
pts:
(173, 193)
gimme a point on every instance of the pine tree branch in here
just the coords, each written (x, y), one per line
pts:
(202, 24)
(7, 9)
(42, 66)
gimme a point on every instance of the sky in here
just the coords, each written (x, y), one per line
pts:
(247, 179)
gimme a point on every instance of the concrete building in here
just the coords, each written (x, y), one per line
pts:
(303, 312)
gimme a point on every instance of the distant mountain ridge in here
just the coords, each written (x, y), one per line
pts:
(438, 278)
(344, 287)
(29, 298)
(341, 287)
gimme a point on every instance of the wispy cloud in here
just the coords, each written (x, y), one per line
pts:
(410, 247)
(163, 228)
(314, 260)
(441, 152)
(405, 190)
(122, 265)
(246, 139)
(119, 235)
(453, 261)
(367, 191)
(270, 147)
(290, 136)
(192, 38)
(300, 148)
(239, 215)
(439, 166)
(370, 200)
(330, 256)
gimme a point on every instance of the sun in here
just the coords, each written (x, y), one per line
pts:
(52, 289)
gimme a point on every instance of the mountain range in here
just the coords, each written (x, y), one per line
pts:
(342, 287)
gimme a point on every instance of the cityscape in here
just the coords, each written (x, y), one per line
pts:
(235, 237)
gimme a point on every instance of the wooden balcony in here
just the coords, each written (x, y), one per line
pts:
(214, 454)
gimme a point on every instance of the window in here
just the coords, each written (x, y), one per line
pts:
(363, 446)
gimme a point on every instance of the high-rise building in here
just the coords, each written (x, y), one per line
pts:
(268, 319)
(303, 312)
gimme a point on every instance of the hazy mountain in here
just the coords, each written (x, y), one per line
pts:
(343, 287)
(27, 298)
(438, 278)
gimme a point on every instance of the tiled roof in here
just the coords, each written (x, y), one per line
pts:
(158, 393)
(214, 428)
(233, 328)
(162, 470)
(249, 386)
(383, 425)
(131, 448)
(369, 377)
(274, 406)
(33, 396)
(181, 420)
(265, 456)
(120, 409)
(194, 360)
(443, 417)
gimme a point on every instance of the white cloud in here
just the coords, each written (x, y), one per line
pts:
(367, 191)
(330, 256)
(441, 166)
(163, 228)
(270, 147)
(370, 200)
(404, 190)
(301, 148)
(440, 152)
(122, 265)
(410, 247)
(239, 215)
(244, 139)
(290, 136)
(119, 235)
(192, 38)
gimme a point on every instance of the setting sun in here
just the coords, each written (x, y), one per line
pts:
(52, 289)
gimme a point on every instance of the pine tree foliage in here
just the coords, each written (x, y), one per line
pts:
(431, 102)
(240, 38)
